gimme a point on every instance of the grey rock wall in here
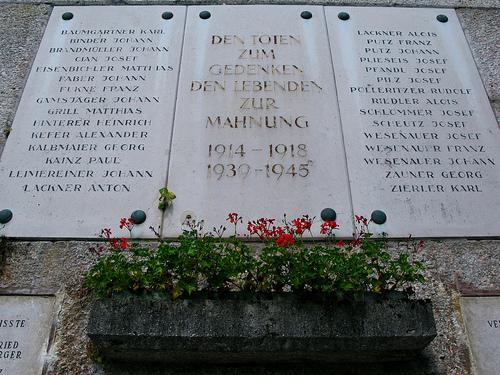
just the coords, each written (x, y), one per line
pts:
(482, 30)
(402, 3)
(57, 267)
(21, 30)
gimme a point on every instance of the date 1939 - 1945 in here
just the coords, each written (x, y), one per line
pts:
(277, 170)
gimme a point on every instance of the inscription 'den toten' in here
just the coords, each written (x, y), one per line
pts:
(257, 127)
(90, 140)
(422, 143)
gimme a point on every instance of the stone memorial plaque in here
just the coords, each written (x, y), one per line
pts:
(90, 140)
(25, 325)
(421, 139)
(257, 129)
(482, 321)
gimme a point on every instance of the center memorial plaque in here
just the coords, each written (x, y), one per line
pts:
(91, 136)
(421, 139)
(257, 129)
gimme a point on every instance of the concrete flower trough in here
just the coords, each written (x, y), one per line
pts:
(242, 328)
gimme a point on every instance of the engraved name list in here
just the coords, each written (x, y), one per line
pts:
(422, 143)
(98, 105)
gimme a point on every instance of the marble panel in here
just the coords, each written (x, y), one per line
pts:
(483, 329)
(422, 142)
(90, 140)
(257, 128)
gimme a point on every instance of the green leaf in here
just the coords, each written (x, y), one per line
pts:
(166, 198)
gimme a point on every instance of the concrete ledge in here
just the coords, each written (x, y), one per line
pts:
(250, 329)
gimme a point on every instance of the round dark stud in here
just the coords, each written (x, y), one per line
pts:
(328, 214)
(442, 18)
(138, 216)
(306, 15)
(344, 16)
(205, 15)
(67, 16)
(167, 15)
(5, 216)
(378, 217)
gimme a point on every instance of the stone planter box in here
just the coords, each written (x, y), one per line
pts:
(238, 328)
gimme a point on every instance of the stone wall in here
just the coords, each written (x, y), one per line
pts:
(56, 267)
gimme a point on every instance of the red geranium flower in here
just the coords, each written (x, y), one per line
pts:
(328, 226)
(126, 223)
(263, 228)
(232, 217)
(286, 239)
(123, 243)
(302, 224)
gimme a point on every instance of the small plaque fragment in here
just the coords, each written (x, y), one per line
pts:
(25, 326)
(482, 321)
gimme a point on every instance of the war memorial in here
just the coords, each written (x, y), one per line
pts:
(134, 124)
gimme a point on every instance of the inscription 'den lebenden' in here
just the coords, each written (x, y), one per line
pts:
(258, 56)
(419, 126)
(255, 112)
(99, 111)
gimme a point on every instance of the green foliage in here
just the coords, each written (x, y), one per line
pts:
(195, 262)
(166, 198)
(189, 264)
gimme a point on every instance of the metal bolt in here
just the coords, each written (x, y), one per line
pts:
(328, 214)
(205, 15)
(344, 16)
(5, 216)
(138, 216)
(167, 15)
(67, 16)
(378, 217)
(306, 15)
(442, 18)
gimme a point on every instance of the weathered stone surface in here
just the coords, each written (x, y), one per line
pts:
(281, 328)
(415, 3)
(21, 27)
(496, 108)
(482, 30)
(37, 266)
